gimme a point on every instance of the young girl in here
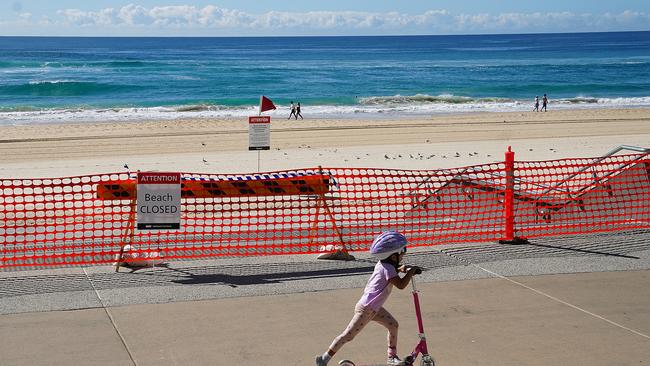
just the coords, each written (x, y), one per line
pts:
(389, 247)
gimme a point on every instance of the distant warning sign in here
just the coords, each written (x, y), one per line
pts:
(259, 133)
(158, 201)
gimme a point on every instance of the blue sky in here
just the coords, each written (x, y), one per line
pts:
(331, 17)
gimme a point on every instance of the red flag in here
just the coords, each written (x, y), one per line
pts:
(266, 104)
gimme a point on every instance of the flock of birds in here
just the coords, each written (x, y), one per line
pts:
(386, 156)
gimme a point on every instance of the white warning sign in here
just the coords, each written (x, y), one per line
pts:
(259, 133)
(159, 201)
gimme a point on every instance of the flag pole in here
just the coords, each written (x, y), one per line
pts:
(259, 113)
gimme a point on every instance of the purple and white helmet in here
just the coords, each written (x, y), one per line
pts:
(386, 244)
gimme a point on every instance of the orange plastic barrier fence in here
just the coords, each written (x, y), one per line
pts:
(89, 219)
(574, 196)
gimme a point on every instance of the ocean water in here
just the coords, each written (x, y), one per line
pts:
(53, 79)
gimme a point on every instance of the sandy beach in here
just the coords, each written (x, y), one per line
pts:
(221, 146)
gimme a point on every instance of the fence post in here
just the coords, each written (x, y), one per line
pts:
(509, 199)
(509, 202)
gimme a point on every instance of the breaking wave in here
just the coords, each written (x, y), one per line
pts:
(367, 107)
(424, 98)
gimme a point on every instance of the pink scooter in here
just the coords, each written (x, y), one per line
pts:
(421, 347)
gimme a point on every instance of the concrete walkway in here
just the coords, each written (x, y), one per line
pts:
(522, 309)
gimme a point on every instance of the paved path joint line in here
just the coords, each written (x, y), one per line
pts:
(562, 301)
(110, 317)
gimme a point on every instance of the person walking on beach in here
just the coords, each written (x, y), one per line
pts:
(536, 107)
(293, 111)
(298, 111)
(389, 248)
(544, 102)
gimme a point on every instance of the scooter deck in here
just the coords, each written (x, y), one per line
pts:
(350, 363)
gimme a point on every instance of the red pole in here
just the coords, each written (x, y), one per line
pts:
(509, 199)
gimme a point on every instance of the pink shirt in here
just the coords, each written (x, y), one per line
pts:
(379, 287)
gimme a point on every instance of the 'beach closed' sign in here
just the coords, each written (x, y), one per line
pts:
(158, 201)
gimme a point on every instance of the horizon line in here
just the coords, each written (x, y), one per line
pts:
(322, 36)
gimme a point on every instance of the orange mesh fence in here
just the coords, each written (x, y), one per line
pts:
(574, 196)
(89, 219)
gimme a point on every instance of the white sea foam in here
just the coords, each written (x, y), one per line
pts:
(62, 81)
(372, 107)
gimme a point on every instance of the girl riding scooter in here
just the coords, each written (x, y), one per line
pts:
(389, 248)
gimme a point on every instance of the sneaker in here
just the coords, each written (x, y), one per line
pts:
(320, 361)
(395, 361)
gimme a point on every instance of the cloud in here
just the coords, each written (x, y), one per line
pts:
(211, 19)
(105, 17)
(134, 14)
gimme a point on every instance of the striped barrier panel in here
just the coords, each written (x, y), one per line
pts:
(242, 186)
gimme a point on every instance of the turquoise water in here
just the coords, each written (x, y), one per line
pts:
(60, 79)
